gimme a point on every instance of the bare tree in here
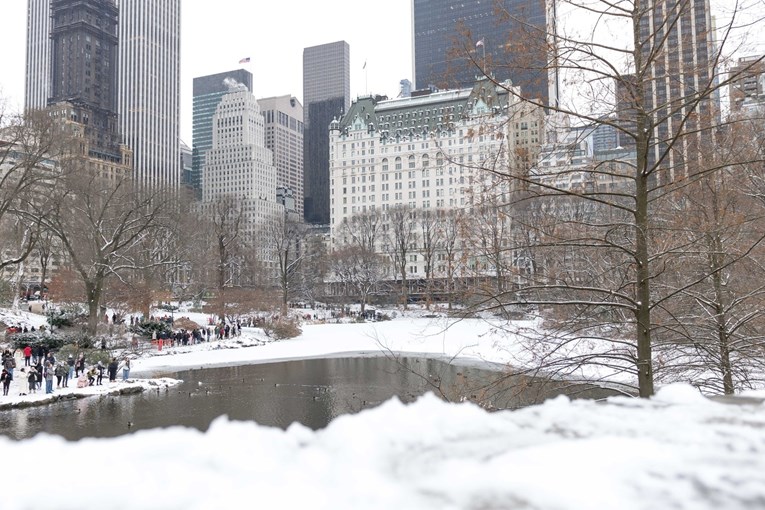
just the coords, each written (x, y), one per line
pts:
(285, 239)
(431, 235)
(100, 222)
(225, 223)
(611, 243)
(361, 271)
(402, 242)
(28, 146)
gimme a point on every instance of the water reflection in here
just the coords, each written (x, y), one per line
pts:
(311, 392)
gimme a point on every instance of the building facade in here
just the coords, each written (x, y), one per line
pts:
(149, 74)
(38, 55)
(208, 93)
(514, 49)
(240, 167)
(83, 71)
(428, 154)
(681, 66)
(326, 95)
(283, 116)
(748, 88)
(147, 68)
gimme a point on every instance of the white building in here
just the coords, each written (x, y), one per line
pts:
(431, 151)
(240, 166)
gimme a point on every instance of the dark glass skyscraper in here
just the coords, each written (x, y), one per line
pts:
(83, 71)
(513, 44)
(208, 92)
(326, 95)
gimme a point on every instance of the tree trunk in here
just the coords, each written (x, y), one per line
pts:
(93, 293)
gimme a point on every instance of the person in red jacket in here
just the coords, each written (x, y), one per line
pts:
(27, 355)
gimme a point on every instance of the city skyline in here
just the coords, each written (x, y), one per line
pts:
(275, 52)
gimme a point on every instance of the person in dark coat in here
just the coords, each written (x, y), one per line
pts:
(32, 380)
(39, 373)
(100, 373)
(112, 369)
(6, 377)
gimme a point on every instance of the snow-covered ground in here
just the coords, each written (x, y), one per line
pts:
(678, 450)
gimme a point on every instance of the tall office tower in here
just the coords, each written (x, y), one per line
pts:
(284, 136)
(148, 80)
(326, 95)
(514, 49)
(239, 166)
(84, 50)
(149, 92)
(208, 93)
(37, 76)
(681, 66)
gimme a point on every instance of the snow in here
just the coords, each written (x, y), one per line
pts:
(626, 454)
(678, 450)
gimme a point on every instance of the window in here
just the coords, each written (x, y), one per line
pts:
(411, 162)
(398, 163)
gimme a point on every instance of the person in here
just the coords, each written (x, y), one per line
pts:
(70, 362)
(59, 371)
(27, 355)
(32, 380)
(100, 370)
(9, 362)
(91, 376)
(6, 377)
(39, 373)
(112, 369)
(79, 365)
(49, 378)
(126, 370)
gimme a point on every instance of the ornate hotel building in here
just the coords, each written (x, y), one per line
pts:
(432, 152)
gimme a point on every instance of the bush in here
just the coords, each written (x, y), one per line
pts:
(67, 316)
(147, 328)
(282, 329)
(50, 342)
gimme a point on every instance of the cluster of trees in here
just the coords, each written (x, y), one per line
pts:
(663, 272)
(127, 246)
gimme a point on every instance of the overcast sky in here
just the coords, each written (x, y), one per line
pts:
(216, 34)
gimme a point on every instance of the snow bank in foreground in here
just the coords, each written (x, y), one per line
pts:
(676, 451)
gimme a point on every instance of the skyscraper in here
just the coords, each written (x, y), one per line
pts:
(84, 50)
(149, 74)
(208, 93)
(238, 166)
(326, 95)
(37, 76)
(514, 48)
(283, 117)
(148, 80)
(680, 43)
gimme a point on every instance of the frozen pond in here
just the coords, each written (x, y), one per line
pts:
(312, 392)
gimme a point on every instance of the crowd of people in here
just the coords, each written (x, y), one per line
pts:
(40, 365)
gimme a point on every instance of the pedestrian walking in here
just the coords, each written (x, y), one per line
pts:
(6, 377)
(27, 355)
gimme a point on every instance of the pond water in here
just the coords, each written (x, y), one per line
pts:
(311, 392)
